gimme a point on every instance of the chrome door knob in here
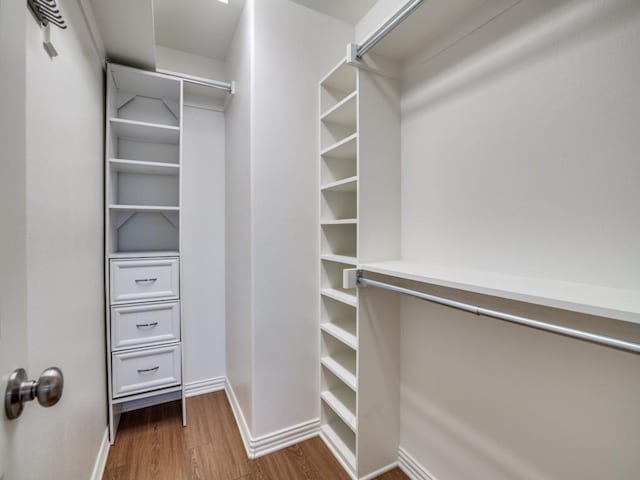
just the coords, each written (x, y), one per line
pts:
(47, 389)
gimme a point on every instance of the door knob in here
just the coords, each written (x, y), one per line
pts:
(47, 389)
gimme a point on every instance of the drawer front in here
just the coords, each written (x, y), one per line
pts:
(146, 324)
(144, 280)
(143, 370)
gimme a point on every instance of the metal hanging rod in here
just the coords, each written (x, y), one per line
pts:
(385, 29)
(205, 82)
(507, 317)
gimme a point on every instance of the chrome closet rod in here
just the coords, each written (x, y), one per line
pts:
(507, 317)
(386, 28)
(197, 81)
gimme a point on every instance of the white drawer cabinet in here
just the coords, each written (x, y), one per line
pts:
(139, 371)
(144, 280)
(145, 324)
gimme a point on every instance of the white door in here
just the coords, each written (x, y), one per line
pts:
(13, 326)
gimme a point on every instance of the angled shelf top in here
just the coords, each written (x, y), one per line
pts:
(596, 300)
(349, 184)
(148, 84)
(144, 131)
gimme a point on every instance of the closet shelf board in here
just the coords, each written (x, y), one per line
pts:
(143, 208)
(342, 401)
(342, 77)
(146, 132)
(339, 259)
(330, 431)
(340, 296)
(150, 168)
(341, 221)
(145, 254)
(349, 184)
(341, 334)
(345, 149)
(343, 366)
(596, 300)
(343, 113)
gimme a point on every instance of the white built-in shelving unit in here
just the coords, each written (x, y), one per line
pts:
(355, 225)
(142, 239)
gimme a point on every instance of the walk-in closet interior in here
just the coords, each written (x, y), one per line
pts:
(318, 239)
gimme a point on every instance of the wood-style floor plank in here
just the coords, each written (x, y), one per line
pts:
(151, 444)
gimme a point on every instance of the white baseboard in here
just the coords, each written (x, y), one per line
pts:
(380, 471)
(265, 444)
(101, 458)
(284, 438)
(239, 416)
(207, 385)
(411, 467)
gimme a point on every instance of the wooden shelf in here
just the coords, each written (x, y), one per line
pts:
(339, 259)
(150, 168)
(343, 403)
(583, 298)
(345, 149)
(334, 433)
(338, 330)
(343, 113)
(146, 132)
(340, 296)
(345, 185)
(343, 366)
(341, 221)
(142, 208)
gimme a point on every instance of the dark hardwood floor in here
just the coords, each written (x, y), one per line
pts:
(152, 445)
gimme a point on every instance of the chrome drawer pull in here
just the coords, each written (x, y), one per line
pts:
(148, 370)
(147, 325)
(146, 280)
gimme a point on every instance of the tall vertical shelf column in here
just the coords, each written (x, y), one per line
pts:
(339, 234)
(142, 240)
(359, 216)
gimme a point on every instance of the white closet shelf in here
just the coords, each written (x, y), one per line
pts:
(343, 366)
(342, 78)
(144, 131)
(349, 184)
(339, 259)
(342, 401)
(145, 254)
(338, 330)
(333, 434)
(137, 166)
(596, 300)
(343, 113)
(345, 149)
(143, 208)
(340, 296)
(340, 221)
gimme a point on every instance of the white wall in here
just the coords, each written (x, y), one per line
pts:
(239, 287)
(203, 244)
(294, 47)
(189, 63)
(520, 155)
(376, 16)
(61, 104)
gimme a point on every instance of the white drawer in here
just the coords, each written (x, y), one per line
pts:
(144, 280)
(143, 370)
(140, 325)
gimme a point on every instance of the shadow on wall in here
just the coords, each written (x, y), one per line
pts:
(527, 30)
